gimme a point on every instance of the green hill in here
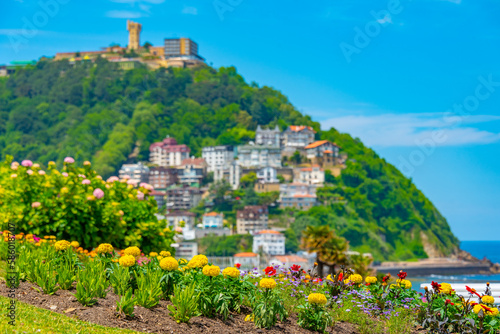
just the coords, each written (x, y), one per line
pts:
(100, 113)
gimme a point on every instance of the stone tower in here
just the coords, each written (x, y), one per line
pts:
(134, 33)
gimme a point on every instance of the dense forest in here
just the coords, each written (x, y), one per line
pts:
(97, 112)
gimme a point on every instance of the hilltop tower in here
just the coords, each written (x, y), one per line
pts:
(134, 34)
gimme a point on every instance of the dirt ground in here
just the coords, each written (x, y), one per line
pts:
(156, 320)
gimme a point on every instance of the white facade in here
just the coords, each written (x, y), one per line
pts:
(270, 242)
(186, 250)
(135, 172)
(213, 220)
(267, 175)
(295, 137)
(259, 156)
(268, 137)
(317, 148)
(218, 157)
(234, 175)
(311, 175)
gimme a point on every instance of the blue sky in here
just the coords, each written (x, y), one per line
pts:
(418, 81)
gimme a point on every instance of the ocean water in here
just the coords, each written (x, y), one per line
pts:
(479, 249)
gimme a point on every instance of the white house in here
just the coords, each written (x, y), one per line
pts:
(186, 250)
(218, 157)
(269, 241)
(317, 149)
(268, 137)
(259, 156)
(314, 175)
(213, 220)
(267, 175)
(175, 218)
(297, 137)
(286, 261)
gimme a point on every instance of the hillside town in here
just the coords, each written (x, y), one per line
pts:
(291, 163)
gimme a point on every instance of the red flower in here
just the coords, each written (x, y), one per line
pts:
(237, 265)
(295, 268)
(386, 278)
(402, 274)
(486, 308)
(472, 291)
(270, 271)
(436, 286)
(449, 302)
(237, 198)
(341, 276)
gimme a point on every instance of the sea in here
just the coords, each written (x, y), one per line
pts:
(478, 249)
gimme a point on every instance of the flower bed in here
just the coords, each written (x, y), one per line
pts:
(132, 286)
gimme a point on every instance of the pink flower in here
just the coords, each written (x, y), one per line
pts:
(140, 196)
(35, 238)
(81, 175)
(13, 176)
(69, 160)
(113, 179)
(65, 174)
(126, 177)
(35, 204)
(27, 163)
(41, 172)
(98, 193)
(132, 182)
(29, 171)
(14, 165)
(86, 181)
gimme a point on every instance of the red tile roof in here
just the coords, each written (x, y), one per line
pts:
(194, 161)
(290, 258)
(212, 214)
(246, 254)
(268, 232)
(298, 128)
(317, 143)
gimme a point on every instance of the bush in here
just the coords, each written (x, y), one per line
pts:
(76, 204)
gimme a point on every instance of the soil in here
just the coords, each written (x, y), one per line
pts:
(156, 320)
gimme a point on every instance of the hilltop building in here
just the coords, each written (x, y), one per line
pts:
(192, 170)
(183, 198)
(253, 218)
(268, 137)
(162, 177)
(175, 218)
(218, 157)
(176, 52)
(296, 138)
(259, 156)
(269, 241)
(168, 153)
(297, 195)
(135, 172)
(314, 175)
(213, 220)
(134, 35)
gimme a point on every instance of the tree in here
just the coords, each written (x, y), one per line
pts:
(296, 158)
(330, 249)
(248, 180)
(147, 45)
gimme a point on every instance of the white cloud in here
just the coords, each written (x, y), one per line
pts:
(390, 130)
(190, 10)
(387, 19)
(124, 14)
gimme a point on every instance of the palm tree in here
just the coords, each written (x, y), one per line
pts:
(330, 249)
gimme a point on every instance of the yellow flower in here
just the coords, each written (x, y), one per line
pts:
(347, 281)
(64, 190)
(445, 288)
(165, 253)
(317, 298)
(62, 245)
(329, 278)
(488, 299)
(249, 317)
(169, 263)
(211, 271)
(371, 279)
(134, 251)
(159, 257)
(182, 261)
(127, 260)
(104, 248)
(477, 308)
(153, 254)
(267, 283)
(494, 311)
(356, 279)
(404, 283)
(198, 261)
(231, 272)
(75, 244)
(86, 163)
